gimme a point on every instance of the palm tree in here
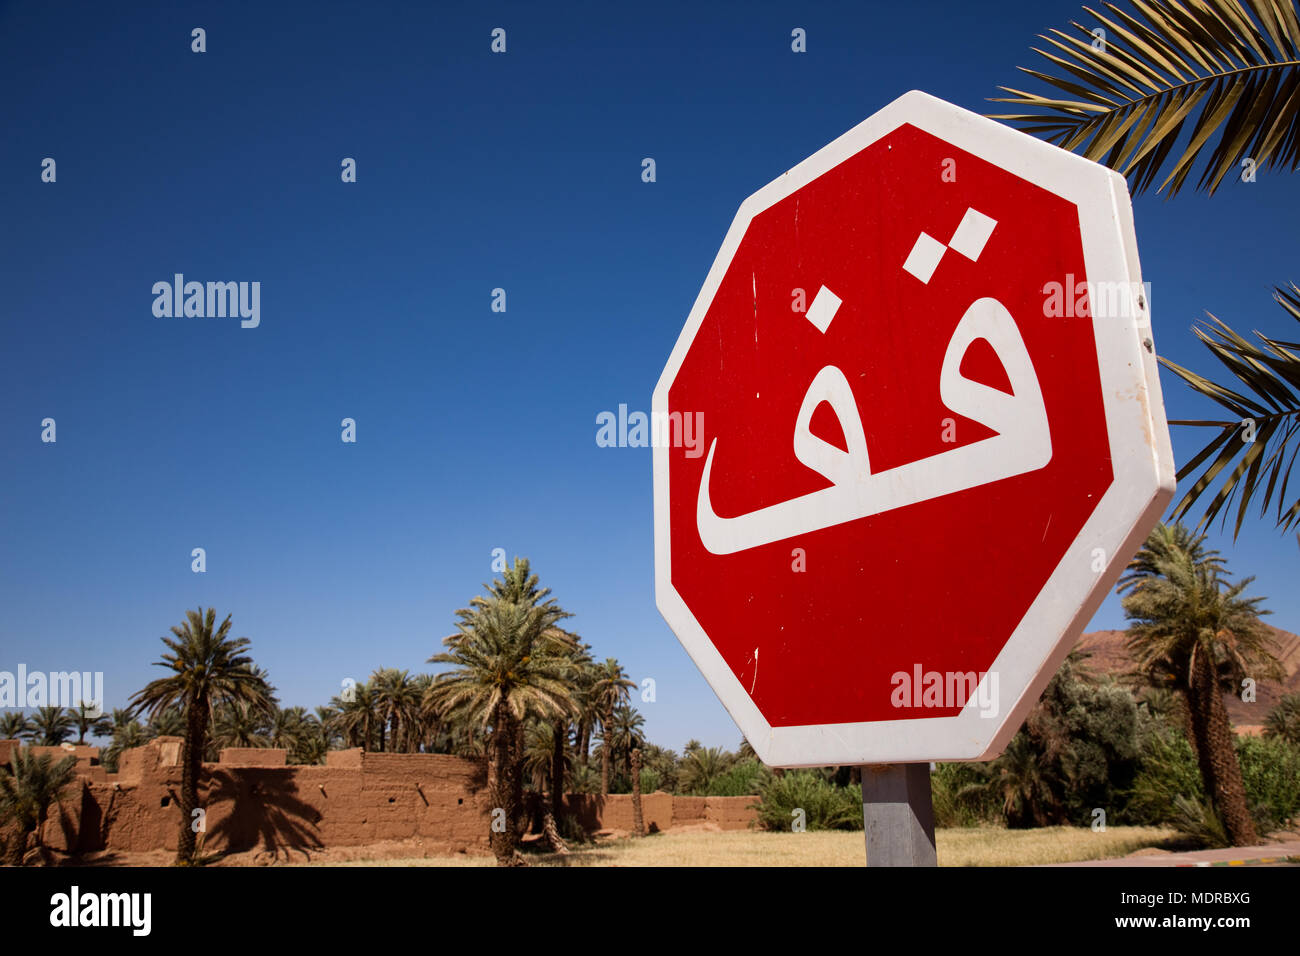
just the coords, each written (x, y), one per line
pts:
(169, 722)
(426, 727)
(398, 703)
(609, 690)
(664, 763)
(288, 728)
(1284, 719)
(208, 668)
(539, 753)
(14, 725)
(127, 733)
(313, 740)
(1219, 76)
(1019, 779)
(51, 725)
(237, 724)
(356, 717)
(638, 819)
(625, 733)
(27, 789)
(1196, 634)
(701, 767)
(88, 719)
(506, 668)
(584, 692)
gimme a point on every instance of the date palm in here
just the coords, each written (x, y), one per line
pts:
(169, 722)
(14, 725)
(542, 741)
(1284, 719)
(609, 689)
(89, 719)
(27, 788)
(51, 726)
(237, 724)
(701, 767)
(208, 668)
(1171, 87)
(398, 703)
(626, 733)
(288, 728)
(1198, 635)
(588, 672)
(507, 666)
(638, 818)
(1019, 779)
(127, 733)
(356, 716)
(425, 726)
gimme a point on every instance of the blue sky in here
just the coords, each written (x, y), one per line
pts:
(476, 430)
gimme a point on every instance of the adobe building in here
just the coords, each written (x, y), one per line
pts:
(254, 801)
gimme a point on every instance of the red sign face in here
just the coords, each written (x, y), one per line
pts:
(902, 441)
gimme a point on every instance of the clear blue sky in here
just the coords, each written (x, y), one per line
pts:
(476, 430)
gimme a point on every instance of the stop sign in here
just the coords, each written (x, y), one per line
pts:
(908, 439)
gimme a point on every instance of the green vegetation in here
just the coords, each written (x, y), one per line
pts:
(1284, 719)
(527, 698)
(803, 799)
(1195, 633)
(208, 668)
(1173, 86)
(27, 789)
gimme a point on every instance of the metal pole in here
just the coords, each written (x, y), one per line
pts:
(898, 814)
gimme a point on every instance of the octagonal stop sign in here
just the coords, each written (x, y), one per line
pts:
(930, 435)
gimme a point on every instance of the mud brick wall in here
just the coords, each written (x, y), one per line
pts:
(254, 801)
(662, 811)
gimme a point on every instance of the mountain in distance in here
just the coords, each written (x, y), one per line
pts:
(1108, 654)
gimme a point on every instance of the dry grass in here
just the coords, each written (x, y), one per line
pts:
(965, 847)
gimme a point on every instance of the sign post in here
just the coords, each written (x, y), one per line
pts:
(898, 815)
(908, 439)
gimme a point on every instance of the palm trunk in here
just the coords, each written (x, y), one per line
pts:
(500, 787)
(1216, 754)
(638, 821)
(561, 732)
(552, 834)
(585, 746)
(605, 745)
(521, 824)
(191, 767)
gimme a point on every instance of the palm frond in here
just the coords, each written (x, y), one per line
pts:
(1259, 444)
(1179, 82)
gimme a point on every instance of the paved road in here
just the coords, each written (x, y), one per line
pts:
(1271, 854)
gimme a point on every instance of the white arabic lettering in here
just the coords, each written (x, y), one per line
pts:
(1023, 443)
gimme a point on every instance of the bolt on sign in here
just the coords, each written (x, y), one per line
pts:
(921, 474)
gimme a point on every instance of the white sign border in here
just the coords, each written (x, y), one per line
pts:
(1141, 454)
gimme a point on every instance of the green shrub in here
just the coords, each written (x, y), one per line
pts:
(824, 805)
(956, 802)
(1270, 769)
(741, 780)
(651, 780)
(1166, 772)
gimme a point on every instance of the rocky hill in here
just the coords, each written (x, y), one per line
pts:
(1108, 654)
